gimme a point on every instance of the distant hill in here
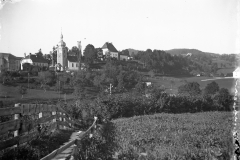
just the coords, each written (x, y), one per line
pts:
(185, 51)
(132, 51)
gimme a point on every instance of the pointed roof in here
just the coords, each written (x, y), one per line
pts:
(110, 47)
(36, 58)
(72, 58)
(61, 42)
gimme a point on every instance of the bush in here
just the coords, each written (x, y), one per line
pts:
(101, 146)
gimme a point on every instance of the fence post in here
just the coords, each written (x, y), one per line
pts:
(60, 119)
(16, 116)
(64, 120)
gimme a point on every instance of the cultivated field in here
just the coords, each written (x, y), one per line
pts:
(176, 136)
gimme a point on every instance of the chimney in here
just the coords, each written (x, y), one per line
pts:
(24, 55)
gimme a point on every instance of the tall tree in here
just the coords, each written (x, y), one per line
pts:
(211, 88)
(39, 53)
(89, 54)
(190, 88)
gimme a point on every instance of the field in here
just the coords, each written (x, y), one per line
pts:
(172, 87)
(176, 136)
(13, 93)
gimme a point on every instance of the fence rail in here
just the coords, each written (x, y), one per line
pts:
(27, 121)
(64, 147)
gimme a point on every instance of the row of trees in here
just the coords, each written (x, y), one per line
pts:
(135, 103)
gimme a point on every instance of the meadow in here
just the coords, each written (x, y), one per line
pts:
(172, 83)
(13, 93)
(176, 136)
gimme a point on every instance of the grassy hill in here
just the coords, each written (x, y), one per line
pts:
(176, 136)
(185, 51)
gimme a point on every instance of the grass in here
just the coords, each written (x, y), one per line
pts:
(13, 93)
(176, 136)
(166, 82)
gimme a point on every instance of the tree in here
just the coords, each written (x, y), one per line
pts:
(22, 90)
(4, 76)
(80, 83)
(125, 52)
(46, 78)
(89, 54)
(224, 100)
(211, 88)
(39, 53)
(191, 88)
(54, 55)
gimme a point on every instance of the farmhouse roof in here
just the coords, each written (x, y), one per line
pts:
(9, 55)
(72, 58)
(110, 47)
(237, 70)
(36, 58)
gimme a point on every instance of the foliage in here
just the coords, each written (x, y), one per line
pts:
(190, 88)
(39, 53)
(101, 146)
(130, 104)
(46, 78)
(22, 90)
(37, 148)
(80, 82)
(175, 136)
(89, 54)
(211, 88)
(223, 99)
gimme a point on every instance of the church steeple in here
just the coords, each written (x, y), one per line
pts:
(61, 36)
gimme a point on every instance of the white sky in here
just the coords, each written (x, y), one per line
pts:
(207, 25)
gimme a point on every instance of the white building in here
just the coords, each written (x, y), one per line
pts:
(34, 60)
(236, 73)
(110, 51)
(72, 63)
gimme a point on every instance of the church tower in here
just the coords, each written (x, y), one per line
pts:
(62, 54)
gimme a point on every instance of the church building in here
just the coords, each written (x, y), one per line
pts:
(64, 61)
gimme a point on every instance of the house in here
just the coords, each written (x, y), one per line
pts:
(73, 63)
(33, 60)
(110, 51)
(236, 73)
(9, 62)
(123, 57)
(148, 83)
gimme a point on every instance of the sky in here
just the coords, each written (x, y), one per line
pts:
(206, 25)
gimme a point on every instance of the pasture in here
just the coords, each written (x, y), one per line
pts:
(12, 93)
(176, 136)
(172, 83)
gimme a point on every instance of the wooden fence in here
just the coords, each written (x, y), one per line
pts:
(27, 121)
(73, 142)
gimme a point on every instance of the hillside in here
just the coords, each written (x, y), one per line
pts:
(132, 51)
(186, 51)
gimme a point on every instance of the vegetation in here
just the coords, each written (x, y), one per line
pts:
(37, 148)
(176, 136)
(181, 136)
